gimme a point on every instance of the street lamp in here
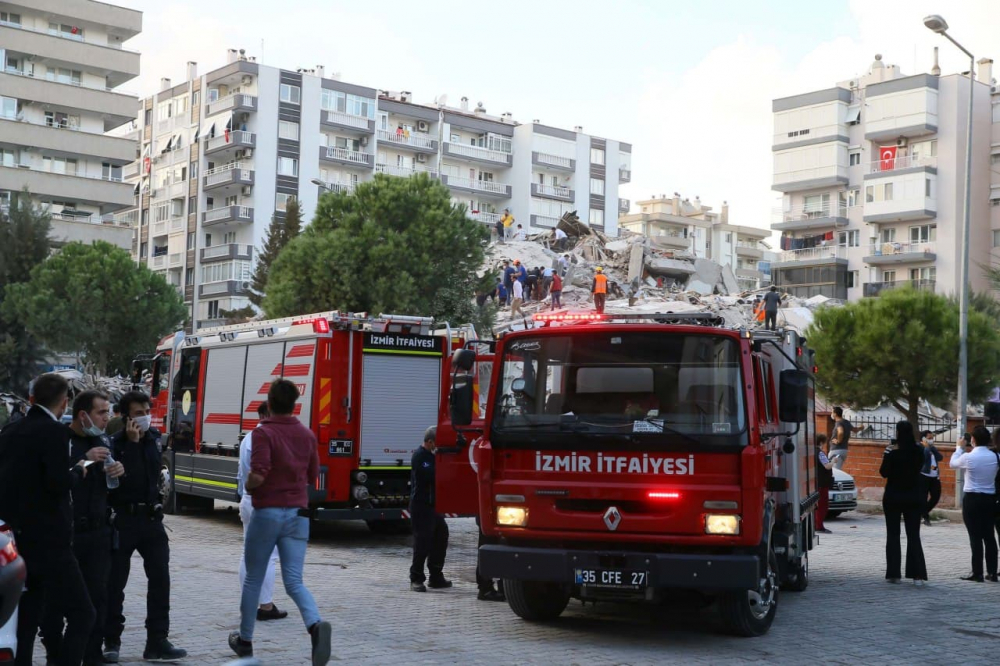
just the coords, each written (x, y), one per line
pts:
(937, 24)
(319, 183)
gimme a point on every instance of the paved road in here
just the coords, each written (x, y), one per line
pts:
(849, 615)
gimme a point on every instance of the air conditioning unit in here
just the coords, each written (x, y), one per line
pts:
(901, 142)
(421, 157)
(245, 285)
(422, 126)
(247, 79)
(853, 84)
(246, 153)
(247, 190)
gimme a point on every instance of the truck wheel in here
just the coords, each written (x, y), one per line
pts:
(536, 601)
(798, 581)
(751, 612)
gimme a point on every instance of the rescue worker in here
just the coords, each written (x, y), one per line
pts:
(599, 288)
(92, 539)
(758, 310)
(139, 521)
(430, 531)
(772, 299)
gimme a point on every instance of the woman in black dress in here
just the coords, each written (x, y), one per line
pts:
(904, 497)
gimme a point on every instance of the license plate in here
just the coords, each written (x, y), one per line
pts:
(839, 498)
(619, 579)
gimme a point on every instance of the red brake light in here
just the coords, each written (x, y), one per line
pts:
(321, 326)
(8, 554)
(6, 654)
(663, 495)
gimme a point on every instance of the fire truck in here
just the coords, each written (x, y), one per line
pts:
(369, 387)
(637, 457)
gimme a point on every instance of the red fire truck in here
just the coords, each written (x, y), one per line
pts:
(631, 456)
(369, 388)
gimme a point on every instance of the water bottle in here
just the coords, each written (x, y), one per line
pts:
(108, 462)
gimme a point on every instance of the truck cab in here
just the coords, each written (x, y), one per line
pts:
(627, 457)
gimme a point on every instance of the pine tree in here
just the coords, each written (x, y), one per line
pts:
(278, 234)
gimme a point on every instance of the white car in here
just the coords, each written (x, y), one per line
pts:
(12, 572)
(843, 494)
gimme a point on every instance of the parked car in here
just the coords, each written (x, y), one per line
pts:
(843, 494)
(12, 574)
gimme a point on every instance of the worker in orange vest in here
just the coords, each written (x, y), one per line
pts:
(599, 288)
(758, 310)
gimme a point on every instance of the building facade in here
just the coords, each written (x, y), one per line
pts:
(62, 62)
(224, 152)
(872, 175)
(690, 227)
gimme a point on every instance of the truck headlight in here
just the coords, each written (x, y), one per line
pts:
(512, 516)
(721, 524)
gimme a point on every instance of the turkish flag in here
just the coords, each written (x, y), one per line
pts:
(145, 164)
(887, 158)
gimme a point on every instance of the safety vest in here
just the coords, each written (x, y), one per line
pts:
(600, 284)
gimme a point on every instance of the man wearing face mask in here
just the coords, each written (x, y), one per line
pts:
(139, 522)
(91, 521)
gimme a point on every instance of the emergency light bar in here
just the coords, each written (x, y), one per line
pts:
(695, 318)
(569, 316)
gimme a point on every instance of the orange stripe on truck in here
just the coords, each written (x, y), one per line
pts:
(325, 397)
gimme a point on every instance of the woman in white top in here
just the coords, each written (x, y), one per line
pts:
(979, 502)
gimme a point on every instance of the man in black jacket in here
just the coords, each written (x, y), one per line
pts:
(430, 531)
(139, 521)
(36, 478)
(91, 524)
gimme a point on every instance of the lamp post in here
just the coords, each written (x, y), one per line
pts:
(937, 24)
(321, 185)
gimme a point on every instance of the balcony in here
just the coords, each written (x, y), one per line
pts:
(552, 192)
(347, 157)
(810, 178)
(338, 188)
(623, 206)
(749, 249)
(902, 163)
(224, 288)
(403, 172)
(110, 192)
(237, 139)
(812, 256)
(159, 261)
(116, 107)
(470, 153)
(127, 219)
(806, 217)
(235, 174)
(227, 215)
(484, 187)
(881, 254)
(416, 141)
(903, 107)
(625, 175)
(62, 138)
(670, 238)
(175, 260)
(234, 102)
(119, 64)
(546, 221)
(131, 170)
(226, 252)
(553, 161)
(876, 288)
(901, 190)
(159, 229)
(484, 217)
(347, 121)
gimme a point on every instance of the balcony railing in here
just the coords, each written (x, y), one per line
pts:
(224, 174)
(177, 224)
(556, 161)
(70, 36)
(892, 247)
(176, 259)
(345, 155)
(75, 84)
(159, 228)
(348, 119)
(236, 213)
(127, 219)
(75, 173)
(814, 253)
(345, 188)
(414, 139)
(234, 101)
(475, 152)
(625, 175)
(553, 191)
(160, 261)
(404, 172)
(876, 288)
(810, 212)
(480, 185)
(228, 251)
(238, 138)
(624, 205)
(131, 170)
(903, 162)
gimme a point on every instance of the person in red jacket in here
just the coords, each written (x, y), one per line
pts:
(556, 290)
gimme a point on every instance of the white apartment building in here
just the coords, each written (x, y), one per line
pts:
(223, 152)
(872, 172)
(60, 64)
(690, 227)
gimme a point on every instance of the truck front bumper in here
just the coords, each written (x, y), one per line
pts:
(665, 570)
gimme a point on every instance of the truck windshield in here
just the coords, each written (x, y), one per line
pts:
(643, 384)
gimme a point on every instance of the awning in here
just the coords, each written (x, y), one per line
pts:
(207, 129)
(995, 192)
(197, 135)
(853, 114)
(135, 190)
(166, 148)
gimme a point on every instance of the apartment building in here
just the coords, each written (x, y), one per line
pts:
(872, 175)
(62, 62)
(691, 227)
(224, 152)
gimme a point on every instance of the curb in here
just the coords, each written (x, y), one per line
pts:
(951, 515)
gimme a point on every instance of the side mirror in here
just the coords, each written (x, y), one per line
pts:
(518, 385)
(793, 401)
(463, 360)
(460, 400)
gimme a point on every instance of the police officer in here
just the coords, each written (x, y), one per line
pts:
(91, 524)
(430, 531)
(139, 521)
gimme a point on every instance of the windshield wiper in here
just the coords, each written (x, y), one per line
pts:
(661, 423)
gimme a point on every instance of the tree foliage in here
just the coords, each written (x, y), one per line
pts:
(393, 245)
(24, 243)
(279, 233)
(94, 299)
(901, 347)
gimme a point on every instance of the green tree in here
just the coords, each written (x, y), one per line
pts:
(279, 233)
(393, 245)
(901, 347)
(24, 243)
(94, 299)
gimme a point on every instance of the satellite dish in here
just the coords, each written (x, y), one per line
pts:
(441, 100)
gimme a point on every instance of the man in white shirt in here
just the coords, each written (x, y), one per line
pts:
(267, 609)
(560, 240)
(519, 234)
(978, 504)
(515, 305)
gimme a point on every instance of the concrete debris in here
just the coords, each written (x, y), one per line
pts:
(729, 279)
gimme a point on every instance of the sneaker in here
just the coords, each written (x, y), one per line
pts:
(162, 650)
(919, 583)
(894, 581)
(973, 578)
(824, 531)
(320, 633)
(272, 613)
(241, 647)
(439, 584)
(490, 595)
(111, 653)
(418, 587)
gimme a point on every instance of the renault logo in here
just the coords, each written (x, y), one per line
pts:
(612, 518)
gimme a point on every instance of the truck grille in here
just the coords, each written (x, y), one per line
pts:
(843, 485)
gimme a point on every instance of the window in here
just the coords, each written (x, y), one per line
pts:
(455, 138)
(817, 205)
(7, 17)
(229, 238)
(927, 188)
(163, 111)
(888, 235)
(996, 238)
(195, 99)
(334, 100)
(189, 276)
(854, 158)
(213, 309)
(888, 192)
(193, 169)
(61, 75)
(8, 158)
(213, 95)
(851, 279)
(853, 197)
(925, 233)
(8, 108)
(869, 193)
(180, 105)
(596, 217)
(190, 240)
(288, 166)
(192, 205)
(208, 240)
(142, 250)
(995, 158)
(878, 193)
(281, 201)
(290, 94)
(63, 30)
(597, 156)
(888, 276)
(288, 130)
(729, 236)
(59, 165)
(850, 238)
(353, 145)
(596, 186)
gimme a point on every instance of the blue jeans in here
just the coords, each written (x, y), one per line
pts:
(286, 529)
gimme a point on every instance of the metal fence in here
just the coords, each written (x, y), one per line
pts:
(884, 428)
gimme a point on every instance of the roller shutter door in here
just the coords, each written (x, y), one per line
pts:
(399, 400)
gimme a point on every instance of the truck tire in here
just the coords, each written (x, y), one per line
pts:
(535, 601)
(751, 612)
(798, 581)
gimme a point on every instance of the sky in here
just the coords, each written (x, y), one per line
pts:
(688, 84)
